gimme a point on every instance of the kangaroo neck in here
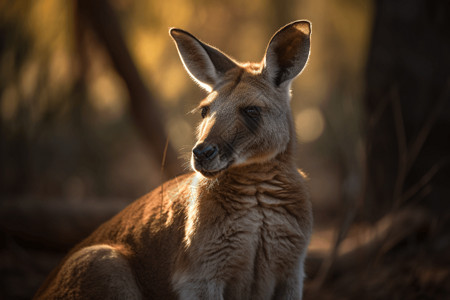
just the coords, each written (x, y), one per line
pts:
(277, 168)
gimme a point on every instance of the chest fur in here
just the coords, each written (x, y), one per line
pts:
(243, 237)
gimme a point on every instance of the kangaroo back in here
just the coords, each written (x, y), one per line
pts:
(236, 228)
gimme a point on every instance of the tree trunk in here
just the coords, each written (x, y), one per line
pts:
(407, 101)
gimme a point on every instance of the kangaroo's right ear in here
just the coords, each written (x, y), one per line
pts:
(205, 64)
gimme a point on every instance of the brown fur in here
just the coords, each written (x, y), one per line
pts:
(239, 227)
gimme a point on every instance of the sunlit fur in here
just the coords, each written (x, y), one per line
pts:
(238, 227)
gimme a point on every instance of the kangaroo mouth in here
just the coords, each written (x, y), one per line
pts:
(210, 172)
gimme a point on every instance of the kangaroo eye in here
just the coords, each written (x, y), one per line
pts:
(205, 110)
(252, 111)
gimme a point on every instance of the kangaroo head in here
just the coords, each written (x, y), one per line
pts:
(246, 115)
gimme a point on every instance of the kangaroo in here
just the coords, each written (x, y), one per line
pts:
(237, 227)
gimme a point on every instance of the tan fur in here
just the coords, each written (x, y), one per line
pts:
(237, 228)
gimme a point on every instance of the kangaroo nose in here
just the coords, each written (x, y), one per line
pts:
(205, 152)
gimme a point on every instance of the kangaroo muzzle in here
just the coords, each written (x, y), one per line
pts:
(205, 152)
(206, 159)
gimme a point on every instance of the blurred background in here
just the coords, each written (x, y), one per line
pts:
(94, 112)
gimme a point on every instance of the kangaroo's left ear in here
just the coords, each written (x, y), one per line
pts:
(287, 52)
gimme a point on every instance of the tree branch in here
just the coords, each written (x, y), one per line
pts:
(144, 108)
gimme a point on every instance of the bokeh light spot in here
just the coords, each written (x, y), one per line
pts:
(309, 124)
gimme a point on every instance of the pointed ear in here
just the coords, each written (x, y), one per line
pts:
(204, 63)
(287, 52)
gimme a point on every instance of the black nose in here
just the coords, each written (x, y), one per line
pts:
(205, 151)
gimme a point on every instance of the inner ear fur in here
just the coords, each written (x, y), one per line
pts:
(204, 63)
(287, 52)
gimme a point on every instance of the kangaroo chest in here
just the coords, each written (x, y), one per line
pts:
(248, 242)
(260, 235)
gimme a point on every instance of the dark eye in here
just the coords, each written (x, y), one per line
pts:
(205, 110)
(253, 112)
